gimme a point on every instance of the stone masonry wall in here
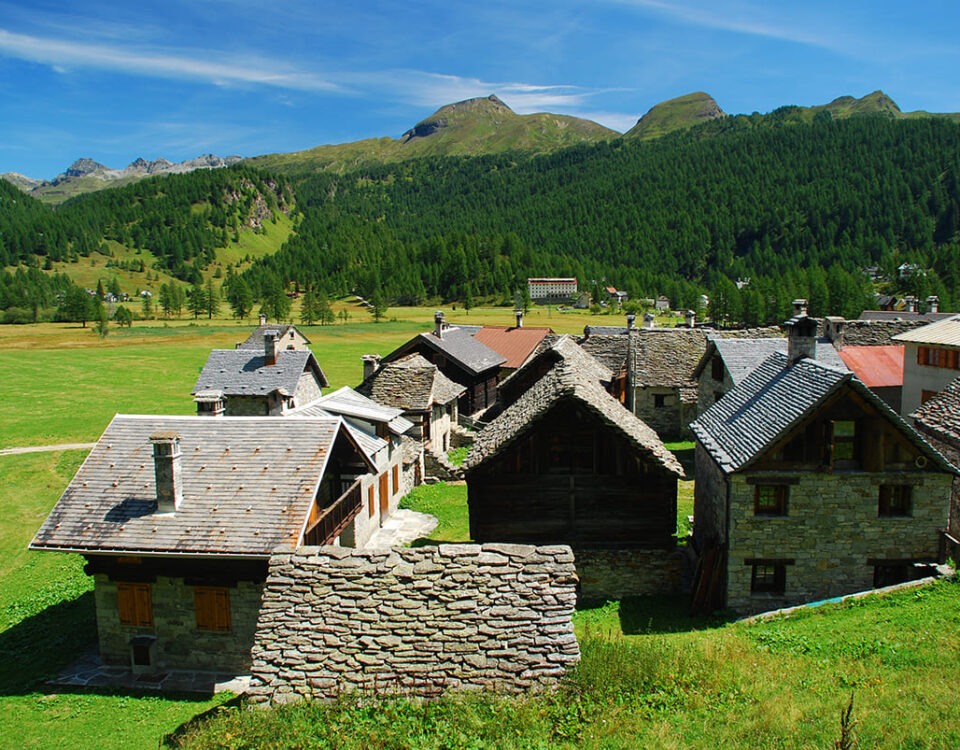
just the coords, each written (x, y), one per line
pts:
(414, 621)
(951, 452)
(830, 532)
(616, 573)
(179, 644)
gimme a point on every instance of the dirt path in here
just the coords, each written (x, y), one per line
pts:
(42, 448)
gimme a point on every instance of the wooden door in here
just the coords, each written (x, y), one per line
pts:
(384, 496)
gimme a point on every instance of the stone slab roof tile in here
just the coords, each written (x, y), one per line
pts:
(459, 345)
(244, 372)
(255, 339)
(742, 356)
(410, 383)
(248, 486)
(941, 414)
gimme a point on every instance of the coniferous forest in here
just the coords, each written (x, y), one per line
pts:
(798, 208)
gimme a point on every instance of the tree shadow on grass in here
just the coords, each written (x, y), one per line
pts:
(649, 615)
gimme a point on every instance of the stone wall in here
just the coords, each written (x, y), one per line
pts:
(245, 406)
(831, 536)
(616, 573)
(414, 621)
(668, 421)
(951, 451)
(308, 389)
(439, 466)
(179, 644)
(709, 501)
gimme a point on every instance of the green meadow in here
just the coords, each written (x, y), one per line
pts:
(651, 675)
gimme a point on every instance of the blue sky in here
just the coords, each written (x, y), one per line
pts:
(119, 80)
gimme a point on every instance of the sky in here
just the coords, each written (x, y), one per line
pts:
(116, 80)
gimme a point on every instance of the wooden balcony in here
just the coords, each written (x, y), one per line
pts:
(334, 519)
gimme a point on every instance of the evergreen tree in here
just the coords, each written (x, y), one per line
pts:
(196, 300)
(240, 297)
(212, 297)
(147, 303)
(378, 306)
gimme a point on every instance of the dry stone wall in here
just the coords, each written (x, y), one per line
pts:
(616, 573)
(414, 621)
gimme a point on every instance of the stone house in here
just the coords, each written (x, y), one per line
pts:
(566, 463)
(461, 358)
(938, 420)
(422, 393)
(809, 486)
(931, 361)
(177, 518)
(728, 361)
(384, 435)
(268, 382)
(290, 337)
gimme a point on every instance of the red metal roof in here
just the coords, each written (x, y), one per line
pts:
(516, 344)
(876, 366)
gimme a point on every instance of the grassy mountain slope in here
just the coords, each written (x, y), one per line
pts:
(473, 127)
(675, 114)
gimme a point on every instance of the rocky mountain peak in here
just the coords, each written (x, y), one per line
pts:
(83, 167)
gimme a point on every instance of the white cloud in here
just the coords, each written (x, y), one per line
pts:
(58, 54)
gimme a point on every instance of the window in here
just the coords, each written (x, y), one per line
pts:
(212, 605)
(659, 400)
(844, 453)
(895, 500)
(135, 605)
(716, 368)
(933, 356)
(770, 499)
(768, 578)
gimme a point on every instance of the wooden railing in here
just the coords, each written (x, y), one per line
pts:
(334, 519)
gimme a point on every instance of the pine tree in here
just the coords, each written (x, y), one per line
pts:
(212, 297)
(196, 300)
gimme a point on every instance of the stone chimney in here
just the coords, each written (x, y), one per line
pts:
(933, 303)
(271, 345)
(690, 318)
(911, 303)
(439, 323)
(801, 338)
(519, 316)
(835, 326)
(648, 319)
(263, 319)
(799, 308)
(631, 321)
(370, 364)
(169, 475)
(237, 344)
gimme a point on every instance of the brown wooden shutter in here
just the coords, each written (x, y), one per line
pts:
(370, 505)
(396, 479)
(212, 607)
(135, 604)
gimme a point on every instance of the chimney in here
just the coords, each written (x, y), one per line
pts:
(166, 462)
(519, 314)
(263, 319)
(648, 319)
(911, 303)
(835, 326)
(271, 344)
(799, 308)
(690, 318)
(801, 338)
(933, 303)
(438, 324)
(631, 321)
(238, 344)
(370, 364)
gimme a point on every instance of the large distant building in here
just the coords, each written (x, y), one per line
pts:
(543, 288)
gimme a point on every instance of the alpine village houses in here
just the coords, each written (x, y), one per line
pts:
(807, 484)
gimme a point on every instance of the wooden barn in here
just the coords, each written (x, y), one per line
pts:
(568, 464)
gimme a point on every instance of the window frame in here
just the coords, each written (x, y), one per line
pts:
(781, 496)
(215, 601)
(768, 577)
(895, 501)
(135, 604)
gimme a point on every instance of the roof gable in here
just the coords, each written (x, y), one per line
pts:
(741, 356)
(458, 346)
(245, 372)
(566, 382)
(410, 383)
(514, 344)
(255, 339)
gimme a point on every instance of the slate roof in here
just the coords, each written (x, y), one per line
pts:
(255, 339)
(514, 344)
(904, 315)
(248, 486)
(876, 366)
(566, 381)
(666, 357)
(562, 349)
(742, 356)
(608, 350)
(941, 414)
(244, 372)
(349, 403)
(874, 332)
(946, 332)
(458, 345)
(411, 384)
(773, 399)
(590, 331)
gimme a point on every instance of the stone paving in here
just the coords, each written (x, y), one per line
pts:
(403, 527)
(89, 672)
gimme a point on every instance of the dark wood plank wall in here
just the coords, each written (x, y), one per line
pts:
(573, 480)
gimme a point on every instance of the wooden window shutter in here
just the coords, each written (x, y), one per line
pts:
(135, 605)
(370, 504)
(212, 606)
(396, 479)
